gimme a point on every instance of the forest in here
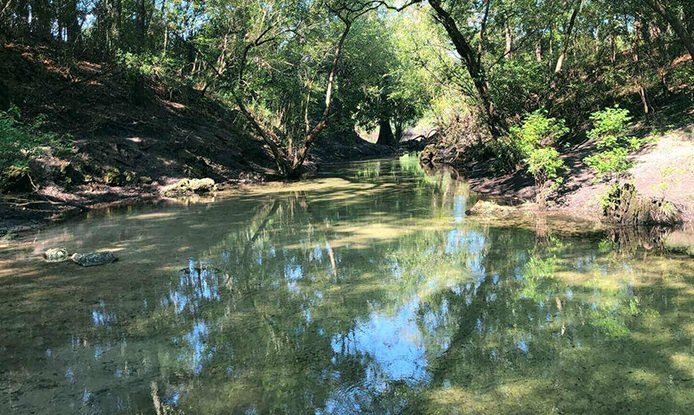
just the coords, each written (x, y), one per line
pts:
(295, 72)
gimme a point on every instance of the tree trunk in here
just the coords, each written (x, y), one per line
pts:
(165, 21)
(5, 6)
(311, 136)
(473, 63)
(385, 133)
(508, 35)
(286, 166)
(677, 25)
(140, 47)
(110, 21)
(567, 37)
(398, 131)
(41, 20)
(71, 24)
(641, 32)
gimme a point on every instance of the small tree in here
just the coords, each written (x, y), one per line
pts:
(278, 28)
(610, 133)
(535, 140)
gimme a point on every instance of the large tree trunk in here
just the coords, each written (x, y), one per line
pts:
(677, 25)
(385, 133)
(473, 64)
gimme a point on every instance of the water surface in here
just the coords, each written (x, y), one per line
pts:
(367, 290)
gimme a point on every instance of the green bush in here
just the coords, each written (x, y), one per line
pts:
(535, 140)
(610, 132)
(544, 163)
(538, 130)
(610, 127)
(149, 64)
(609, 161)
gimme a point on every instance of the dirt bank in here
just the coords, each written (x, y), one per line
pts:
(663, 168)
(119, 152)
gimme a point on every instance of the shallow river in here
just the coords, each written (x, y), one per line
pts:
(366, 291)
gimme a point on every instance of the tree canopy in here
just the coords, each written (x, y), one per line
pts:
(300, 69)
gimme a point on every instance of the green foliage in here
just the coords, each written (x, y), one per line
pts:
(610, 127)
(609, 161)
(544, 162)
(20, 141)
(538, 130)
(516, 82)
(608, 199)
(610, 132)
(397, 66)
(151, 65)
(535, 140)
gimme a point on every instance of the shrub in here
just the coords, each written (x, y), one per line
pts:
(623, 205)
(610, 132)
(538, 130)
(609, 161)
(610, 127)
(544, 163)
(535, 140)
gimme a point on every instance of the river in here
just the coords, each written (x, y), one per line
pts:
(364, 290)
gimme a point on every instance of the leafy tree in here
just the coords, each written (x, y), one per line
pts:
(610, 133)
(535, 140)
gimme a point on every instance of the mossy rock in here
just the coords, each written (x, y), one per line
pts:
(56, 255)
(489, 208)
(115, 177)
(92, 259)
(189, 186)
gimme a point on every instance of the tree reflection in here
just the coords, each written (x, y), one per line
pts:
(395, 302)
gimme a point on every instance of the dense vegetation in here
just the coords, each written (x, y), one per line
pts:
(298, 70)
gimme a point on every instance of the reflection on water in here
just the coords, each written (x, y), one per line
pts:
(365, 292)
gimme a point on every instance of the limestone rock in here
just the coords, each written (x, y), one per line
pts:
(189, 186)
(485, 207)
(91, 259)
(56, 255)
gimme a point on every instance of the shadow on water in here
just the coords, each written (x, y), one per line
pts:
(369, 291)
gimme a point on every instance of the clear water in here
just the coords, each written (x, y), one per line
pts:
(366, 291)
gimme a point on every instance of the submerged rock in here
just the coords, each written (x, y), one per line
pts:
(91, 259)
(200, 270)
(485, 207)
(56, 255)
(189, 186)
